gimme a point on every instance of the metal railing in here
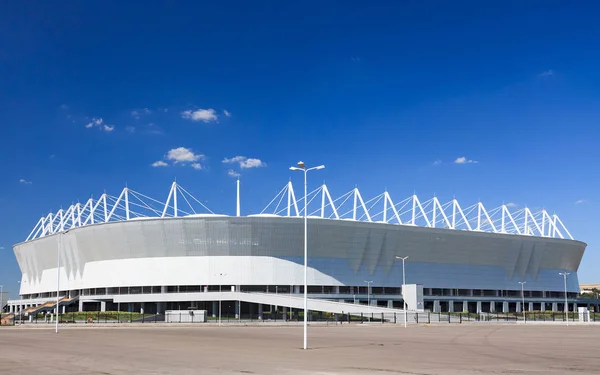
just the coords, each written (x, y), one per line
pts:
(116, 317)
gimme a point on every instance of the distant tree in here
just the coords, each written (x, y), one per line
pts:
(592, 294)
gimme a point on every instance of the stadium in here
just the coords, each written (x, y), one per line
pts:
(134, 253)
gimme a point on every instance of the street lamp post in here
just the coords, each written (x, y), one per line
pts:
(369, 297)
(220, 297)
(523, 299)
(21, 306)
(403, 284)
(302, 167)
(1, 297)
(58, 247)
(59, 243)
(565, 274)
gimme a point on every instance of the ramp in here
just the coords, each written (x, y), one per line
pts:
(283, 300)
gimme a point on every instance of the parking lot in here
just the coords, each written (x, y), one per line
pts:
(338, 349)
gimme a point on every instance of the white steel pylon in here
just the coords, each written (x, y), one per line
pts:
(431, 213)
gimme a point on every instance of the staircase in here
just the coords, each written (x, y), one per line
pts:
(7, 319)
(48, 306)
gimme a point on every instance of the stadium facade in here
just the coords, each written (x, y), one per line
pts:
(131, 252)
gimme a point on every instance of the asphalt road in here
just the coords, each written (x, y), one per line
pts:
(345, 349)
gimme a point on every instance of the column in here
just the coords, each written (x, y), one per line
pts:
(285, 313)
(142, 307)
(80, 305)
(161, 306)
(574, 307)
(297, 289)
(237, 309)
(478, 306)
(436, 306)
(518, 309)
(64, 309)
(336, 289)
(530, 307)
(260, 311)
(492, 306)
(465, 306)
(554, 306)
(102, 306)
(451, 306)
(390, 304)
(543, 306)
(215, 306)
(505, 307)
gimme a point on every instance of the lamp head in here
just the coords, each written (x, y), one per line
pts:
(301, 165)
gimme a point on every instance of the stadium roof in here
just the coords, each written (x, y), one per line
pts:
(431, 213)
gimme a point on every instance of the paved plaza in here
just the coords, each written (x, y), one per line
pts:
(341, 349)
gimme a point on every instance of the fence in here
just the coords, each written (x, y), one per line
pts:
(297, 316)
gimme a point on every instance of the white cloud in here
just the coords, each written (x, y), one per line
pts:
(547, 73)
(100, 124)
(511, 204)
(130, 129)
(23, 181)
(138, 113)
(226, 113)
(2, 248)
(205, 115)
(159, 163)
(233, 173)
(64, 106)
(235, 159)
(581, 201)
(464, 160)
(437, 162)
(245, 162)
(252, 163)
(196, 166)
(182, 155)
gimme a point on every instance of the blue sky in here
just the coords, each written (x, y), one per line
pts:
(93, 93)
